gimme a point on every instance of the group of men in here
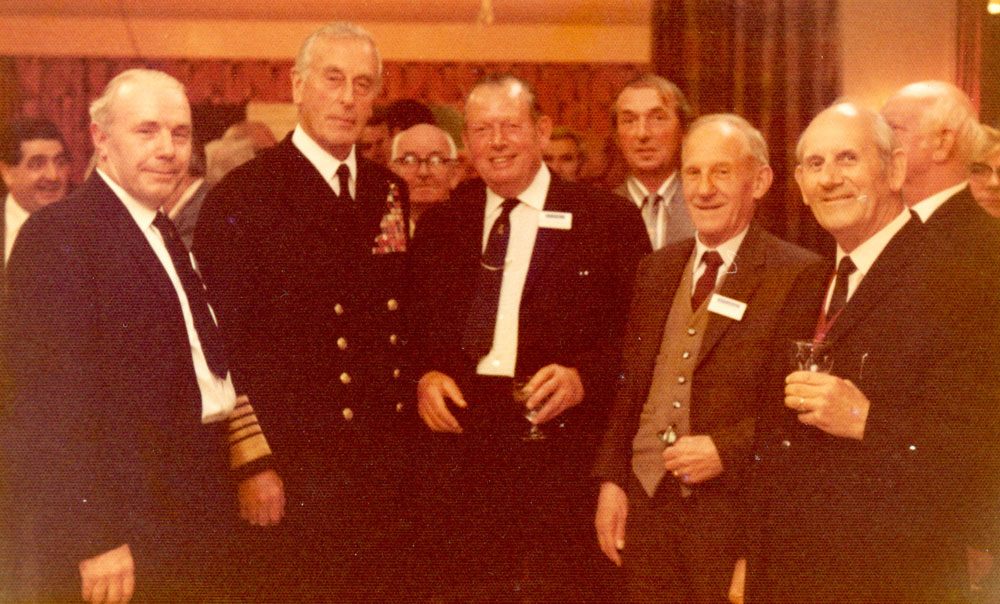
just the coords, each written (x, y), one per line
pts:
(435, 418)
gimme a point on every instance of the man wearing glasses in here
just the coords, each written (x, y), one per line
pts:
(424, 156)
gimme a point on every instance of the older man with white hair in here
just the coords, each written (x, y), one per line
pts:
(425, 157)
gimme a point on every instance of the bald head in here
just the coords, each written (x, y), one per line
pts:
(936, 126)
(424, 156)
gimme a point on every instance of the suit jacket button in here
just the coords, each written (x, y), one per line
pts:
(337, 308)
(342, 343)
(348, 413)
(345, 378)
(392, 304)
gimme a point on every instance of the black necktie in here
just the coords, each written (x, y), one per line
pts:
(343, 175)
(706, 283)
(481, 321)
(839, 297)
(208, 332)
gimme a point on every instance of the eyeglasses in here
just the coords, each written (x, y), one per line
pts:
(981, 171)
(411, 161)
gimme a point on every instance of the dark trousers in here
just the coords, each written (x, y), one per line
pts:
(505, 520)
(678, 550)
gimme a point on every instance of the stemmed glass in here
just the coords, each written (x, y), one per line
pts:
(520, 398)
(812, 355)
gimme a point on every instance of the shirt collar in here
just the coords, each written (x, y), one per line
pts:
(639, 192)
(141, 214)
(865, 255)
(726, 249)
(325, 163)
(13, 212)
(926, 207)
(533, 196)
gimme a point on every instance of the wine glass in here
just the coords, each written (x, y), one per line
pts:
(520, 398)
(812, 355)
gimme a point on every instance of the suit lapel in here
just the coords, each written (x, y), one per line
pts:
(655, 306)
(882, 278)
(744, 276)
(549, 243)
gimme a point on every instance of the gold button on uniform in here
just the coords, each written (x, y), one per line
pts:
(392, 304)
(393, 339)
(345, 378)
(399, 407)
(395, 373)
(337, 308)
(342, 343)
(348, 413)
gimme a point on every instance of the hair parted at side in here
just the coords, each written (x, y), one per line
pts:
(337, 30)
(499, 80)
(100, 108)
(20, 130)
(669, 92)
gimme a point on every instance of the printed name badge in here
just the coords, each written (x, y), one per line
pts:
(555, 220)
(727, 307)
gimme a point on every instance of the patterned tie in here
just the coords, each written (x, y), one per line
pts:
(839, 297)
(481, 322)
(343, 175)
(706, 283)
(194, 289)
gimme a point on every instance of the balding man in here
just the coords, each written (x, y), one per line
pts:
(860, 474)
(114, 436)
(425, 157)
(674, 460)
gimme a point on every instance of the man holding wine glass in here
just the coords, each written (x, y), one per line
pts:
(673, 461)
(861, 475)
(518, 279)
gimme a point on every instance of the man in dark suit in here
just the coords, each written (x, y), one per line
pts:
(692, 367)
(302, 249)
(937, 127)
(650, 116)
(114, 439)
(520, 275)
(35, 169)
(861, 476)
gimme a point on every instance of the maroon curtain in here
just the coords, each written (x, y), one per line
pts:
(774, 62)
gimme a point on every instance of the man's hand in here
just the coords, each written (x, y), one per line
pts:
(693, 459)
(108, 578)
(433, 391)
(553, 389)
(262, 499)
(612, 509)
(738, 584)
(832, 404)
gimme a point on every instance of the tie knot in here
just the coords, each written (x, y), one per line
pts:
(343, 175)
(712, 260)
(164, 225)
(846, 268)
(508, 205)
(653, 200)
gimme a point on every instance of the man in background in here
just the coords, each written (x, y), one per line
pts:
(425, 157)
(650, 117)
(564, 154)
(35, 169)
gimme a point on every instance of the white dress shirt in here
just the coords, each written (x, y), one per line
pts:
(502, 358)
(656, 223)
(326, 163)
(218, 397)
(865, 255)
(925, 208)
(727, 250)
(14, 218)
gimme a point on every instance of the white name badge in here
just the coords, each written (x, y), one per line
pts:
(727, 307)
(555, 220)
